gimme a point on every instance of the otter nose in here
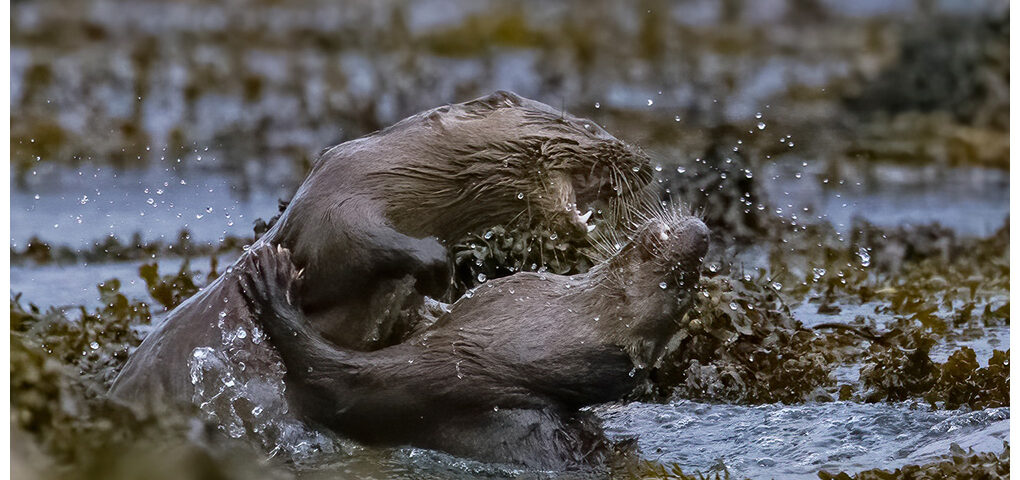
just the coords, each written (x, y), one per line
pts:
(694, 235)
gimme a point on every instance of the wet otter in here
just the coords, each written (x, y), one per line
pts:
(371, 222)
(501, 376)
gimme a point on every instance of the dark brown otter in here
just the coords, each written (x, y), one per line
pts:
(371, 223)
(500, 377)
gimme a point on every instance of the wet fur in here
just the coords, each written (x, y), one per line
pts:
(500, 377)
(371, 223)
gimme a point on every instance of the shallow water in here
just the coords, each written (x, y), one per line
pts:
(796, 441)
(77, 283)
(972, 201)
(982, 341)
(79, 207)
(761, 441)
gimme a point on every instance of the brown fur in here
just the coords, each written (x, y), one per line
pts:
(371, 223)
(501, 376)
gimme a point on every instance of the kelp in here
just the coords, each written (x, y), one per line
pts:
(961, 464)
(652, 470)
(499, 252)
(112, 249)
(741, 344)
(63, 362)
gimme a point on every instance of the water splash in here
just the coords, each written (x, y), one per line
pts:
(239, 386)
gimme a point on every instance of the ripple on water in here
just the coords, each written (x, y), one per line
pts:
(796, 441)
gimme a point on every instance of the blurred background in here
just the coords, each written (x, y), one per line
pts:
(163, 129)
(157, 121)
(254, 89)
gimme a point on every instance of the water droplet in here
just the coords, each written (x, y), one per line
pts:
(658, 168)
(761, 125)
(680, 169)
(94, 345)
(734, 306)
(676, 118)
(520, 196)
(777, 285)
(481, 277)
(650, 102)
(598, 105)
(865, 257)
(662, 285)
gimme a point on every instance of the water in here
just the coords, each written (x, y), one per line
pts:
(796, 441)
(983, 341)
(77, 283)
(760, 441)
(79, 207)
(972, 202)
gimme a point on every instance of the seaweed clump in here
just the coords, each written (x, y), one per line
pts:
(499, 252)
(112, 249)
(652, 470)
(741, 344)
(61, 368)
(962, 464)
(898, 373)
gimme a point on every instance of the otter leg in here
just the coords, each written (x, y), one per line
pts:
(406, 394)
(269, 282)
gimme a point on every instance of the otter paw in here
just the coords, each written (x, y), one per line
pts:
(269, 281)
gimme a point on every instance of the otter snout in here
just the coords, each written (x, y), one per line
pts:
(691, 236)
(677, 246)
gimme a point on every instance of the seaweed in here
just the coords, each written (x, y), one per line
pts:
(113, 249)
(499, 252)
(96, 342)
(961, 464)
(171, 290)
(740, 344)
(652, 470)
(961, 382)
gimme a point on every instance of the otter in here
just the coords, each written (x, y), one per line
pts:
(501, 376)
(371, 223)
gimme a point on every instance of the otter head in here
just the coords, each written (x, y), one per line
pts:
(507, 160)
(663, 260)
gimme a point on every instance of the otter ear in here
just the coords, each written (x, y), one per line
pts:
(500, 99)
(435, 119)
(506, 97)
